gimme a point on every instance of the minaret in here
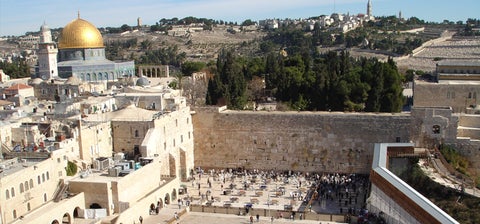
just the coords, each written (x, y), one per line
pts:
(47, 55)
(369, 9)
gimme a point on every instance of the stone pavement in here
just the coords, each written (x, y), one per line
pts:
(268, 197)
(216, 218)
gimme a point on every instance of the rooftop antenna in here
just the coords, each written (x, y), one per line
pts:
(78, 14)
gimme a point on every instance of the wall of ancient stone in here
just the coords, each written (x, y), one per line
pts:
(299, 141)
(455, 95)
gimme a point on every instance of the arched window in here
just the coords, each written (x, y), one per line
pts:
(136, 134)
(21, 188)
(43, 177)
(14, 213)
(7, 194)
(45, 197)
(38, 179)
(26, 185)
(28, 206)
(31, 183)
(12, 191)
(48, 175)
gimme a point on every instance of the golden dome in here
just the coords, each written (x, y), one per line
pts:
(80, 34)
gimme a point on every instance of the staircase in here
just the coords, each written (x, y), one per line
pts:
(61, 189)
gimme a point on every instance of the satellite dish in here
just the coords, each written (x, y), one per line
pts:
(41, 105)
(26, 102)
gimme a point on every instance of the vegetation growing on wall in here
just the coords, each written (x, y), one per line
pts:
(71, 168)
(457, 161)
(462, 207)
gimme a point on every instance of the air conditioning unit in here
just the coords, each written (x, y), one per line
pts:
(114, 171)
(101, 163)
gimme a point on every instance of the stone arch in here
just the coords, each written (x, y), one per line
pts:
(95, 205)
(160, 203)
(167, 198)
(94, 77)
(100, 76)
(76, 212)
(88, 77)
(55, 222)
(152, 209)
(174, 194)
(66, 219)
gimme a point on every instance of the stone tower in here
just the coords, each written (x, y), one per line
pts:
(47, 55)
(369, 9)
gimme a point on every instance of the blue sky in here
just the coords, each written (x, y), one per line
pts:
(20, 16)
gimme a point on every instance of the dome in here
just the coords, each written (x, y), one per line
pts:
(80, 34)
(44, 28)
(73, 80)
(36, 81)
(143, 81)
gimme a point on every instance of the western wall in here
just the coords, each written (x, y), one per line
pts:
(297, 141)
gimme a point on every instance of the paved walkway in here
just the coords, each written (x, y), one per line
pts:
(262, 193)
(215, 218)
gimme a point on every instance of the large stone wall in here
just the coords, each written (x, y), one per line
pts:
(299, 141)
(457, 95)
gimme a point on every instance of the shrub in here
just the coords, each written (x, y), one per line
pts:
(71, 168)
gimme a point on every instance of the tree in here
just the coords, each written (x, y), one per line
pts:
(190, 67)
(248, 22)
(229, 82)
(125, 27)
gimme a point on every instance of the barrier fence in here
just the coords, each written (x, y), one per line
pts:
(286, 214)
